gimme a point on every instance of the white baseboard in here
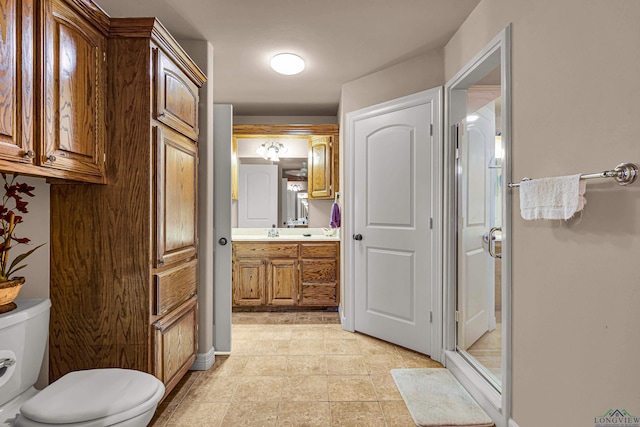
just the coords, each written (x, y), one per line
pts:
(204, 361)
(223, 353)
(512, 423)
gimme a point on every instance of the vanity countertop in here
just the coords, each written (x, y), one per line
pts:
(285, 235)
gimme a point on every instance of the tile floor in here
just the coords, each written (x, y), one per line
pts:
(294, 369)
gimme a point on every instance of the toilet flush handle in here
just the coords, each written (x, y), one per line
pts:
(6, 362)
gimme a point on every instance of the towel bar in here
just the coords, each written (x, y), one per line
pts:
(623, 174)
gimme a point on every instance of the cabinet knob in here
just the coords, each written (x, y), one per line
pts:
(222, 241)
(51, 158)
(30, 154)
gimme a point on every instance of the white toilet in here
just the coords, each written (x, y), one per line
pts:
(91, 398)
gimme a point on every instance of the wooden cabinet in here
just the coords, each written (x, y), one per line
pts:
(321, 170)
(175, 194)
(124, 267)
(265, 274)
(17, 97)
(73, 93)
(320, 271)
(175, 343)
(249, 278)
(66, 139)
(272, 274)
(283, 287)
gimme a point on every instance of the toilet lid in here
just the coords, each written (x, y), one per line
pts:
(88, 395)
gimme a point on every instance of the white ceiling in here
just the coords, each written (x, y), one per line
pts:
(340, 40)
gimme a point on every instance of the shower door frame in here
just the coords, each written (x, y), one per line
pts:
(496, 404)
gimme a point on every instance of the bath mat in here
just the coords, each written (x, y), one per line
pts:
(436, 399)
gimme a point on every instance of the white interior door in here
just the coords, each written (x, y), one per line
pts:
(393, 210)
(476, 136)
(257, 196)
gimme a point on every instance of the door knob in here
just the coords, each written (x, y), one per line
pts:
(222, 241)
(357, 237)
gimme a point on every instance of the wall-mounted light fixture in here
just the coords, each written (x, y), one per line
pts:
(287, 64)
(271, 151)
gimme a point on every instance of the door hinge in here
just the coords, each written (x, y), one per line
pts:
(104, 56)
(104, 157)
(431, 223)
(431, 130)
(431, 317)
(457, 316)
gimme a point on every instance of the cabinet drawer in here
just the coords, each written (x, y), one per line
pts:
(176, 97)
(319, 270)
(319, 294)
(175, 343)
(174, 286)
(265, 250)
(319, 250)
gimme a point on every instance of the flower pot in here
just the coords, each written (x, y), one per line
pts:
(9, 290)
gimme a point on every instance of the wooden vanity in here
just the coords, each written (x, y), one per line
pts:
(271, 275)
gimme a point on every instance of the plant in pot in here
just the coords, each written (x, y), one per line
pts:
(11, 207)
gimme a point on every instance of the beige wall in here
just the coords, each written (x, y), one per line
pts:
(576, 284)
(415, 75)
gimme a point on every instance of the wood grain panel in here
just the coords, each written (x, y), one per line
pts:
(176, 197)
(101, 239)
(175, 286)
(250, 280)
(17, 108)
(74, 92)
(284, 287)
(176, 97)
(175, 343)
(260, 129)
(265, 250)
(319, 250)
(320, 167)
(318, 270)
(319, 294)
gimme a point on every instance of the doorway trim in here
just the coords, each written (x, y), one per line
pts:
(497, 405)
(347, 304)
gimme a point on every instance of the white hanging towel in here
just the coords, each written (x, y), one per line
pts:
(552, 198)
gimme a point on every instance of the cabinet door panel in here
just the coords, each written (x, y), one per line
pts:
(284, 282)
(319, 294)
(175, 343)
(319, 270)
(16, 80)
(320, 167)
(249, 282)
(176, 97)
(74, 92)
(175, 286)
(176, 197)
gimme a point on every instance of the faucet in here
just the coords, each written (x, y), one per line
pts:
(273, 231)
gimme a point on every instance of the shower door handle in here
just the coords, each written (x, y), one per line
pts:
(492, 242)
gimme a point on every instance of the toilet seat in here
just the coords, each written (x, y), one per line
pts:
(95, 397)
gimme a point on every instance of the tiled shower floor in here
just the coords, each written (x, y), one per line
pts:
(294, 369)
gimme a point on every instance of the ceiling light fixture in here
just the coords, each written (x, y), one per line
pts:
(287, 64)
(271, 151)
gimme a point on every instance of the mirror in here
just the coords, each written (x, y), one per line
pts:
(478, 114)
(286, 206)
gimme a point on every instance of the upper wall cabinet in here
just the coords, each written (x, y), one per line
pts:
(74, 93)
(323, 154)
(17, 104)
(53, 126)
(320, 167)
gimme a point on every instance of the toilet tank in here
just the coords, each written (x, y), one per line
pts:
(23, 337)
